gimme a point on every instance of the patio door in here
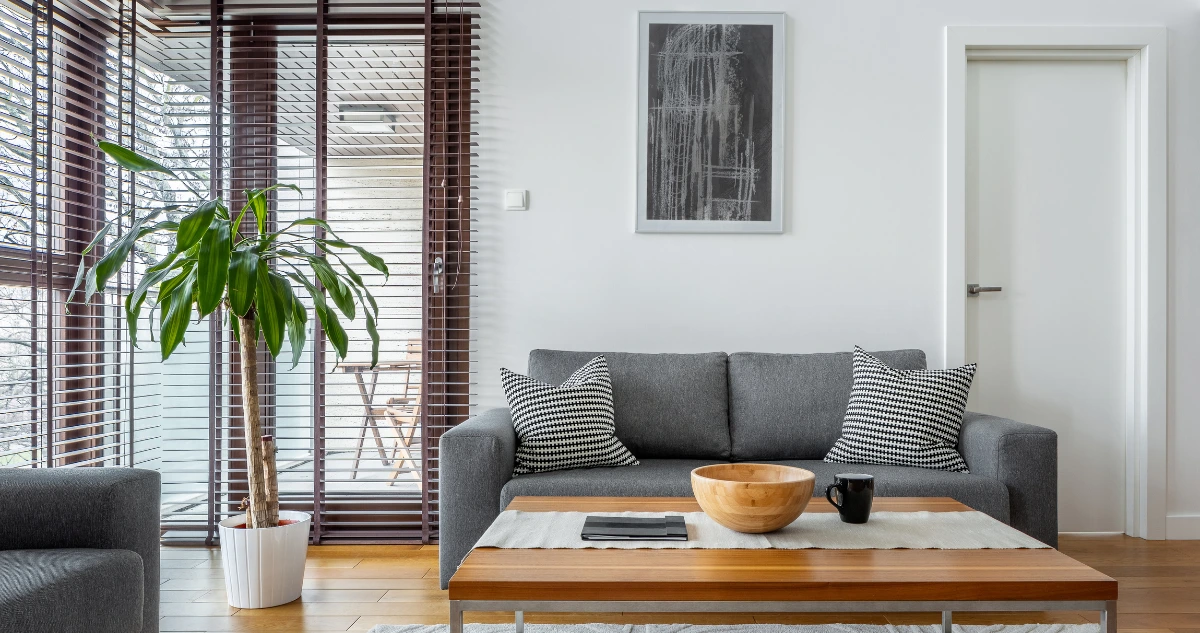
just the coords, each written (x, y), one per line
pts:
(369, 116)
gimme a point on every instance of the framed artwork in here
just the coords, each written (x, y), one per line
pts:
(710, 122)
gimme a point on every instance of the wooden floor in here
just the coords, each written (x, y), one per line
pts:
(355, 587)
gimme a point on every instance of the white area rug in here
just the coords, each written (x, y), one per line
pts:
(514, 529)
(738, 628)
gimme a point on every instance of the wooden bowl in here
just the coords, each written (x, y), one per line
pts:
(752, 498)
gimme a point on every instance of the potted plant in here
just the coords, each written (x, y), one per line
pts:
(213, 262)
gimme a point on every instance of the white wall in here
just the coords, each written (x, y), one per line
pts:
(861, 258)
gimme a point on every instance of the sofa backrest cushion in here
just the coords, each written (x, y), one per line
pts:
(791, 406)
(667, 405)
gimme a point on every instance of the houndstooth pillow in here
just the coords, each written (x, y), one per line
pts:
(564, 427)
(903, 417)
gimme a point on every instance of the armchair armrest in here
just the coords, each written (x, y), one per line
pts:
(1024, 458)
(477, 459)
(97, 508)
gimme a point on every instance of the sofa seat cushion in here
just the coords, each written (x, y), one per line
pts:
(791, 406)
(69, 590)
(653, 478)
(665, 405)
(985, 494)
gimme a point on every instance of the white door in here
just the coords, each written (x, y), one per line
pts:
(1045, 222)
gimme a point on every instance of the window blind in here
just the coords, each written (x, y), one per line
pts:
(67, 74)
(366, 106)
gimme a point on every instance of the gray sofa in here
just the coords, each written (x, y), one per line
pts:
(79, 550)
(679, 411)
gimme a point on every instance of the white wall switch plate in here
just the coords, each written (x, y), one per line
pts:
(515, 200)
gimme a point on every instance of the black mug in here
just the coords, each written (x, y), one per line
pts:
(855, 493)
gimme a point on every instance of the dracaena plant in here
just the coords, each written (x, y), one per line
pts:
(215, 263)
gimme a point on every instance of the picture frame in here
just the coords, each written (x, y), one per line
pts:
(708, 162)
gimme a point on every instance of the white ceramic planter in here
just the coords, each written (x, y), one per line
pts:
(264, 568)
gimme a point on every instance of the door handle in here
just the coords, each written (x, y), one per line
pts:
(973, 290)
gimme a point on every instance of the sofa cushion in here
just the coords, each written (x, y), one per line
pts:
(904, 417)
(653, 478)
(566, 426)
(68, 590)
(791, 406)
(667, 405)
(985, 494)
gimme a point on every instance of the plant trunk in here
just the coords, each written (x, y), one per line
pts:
(260, 454)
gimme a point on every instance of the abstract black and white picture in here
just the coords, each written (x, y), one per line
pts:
(710, 122)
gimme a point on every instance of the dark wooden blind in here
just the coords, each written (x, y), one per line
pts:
(451, 56)
(67, 74)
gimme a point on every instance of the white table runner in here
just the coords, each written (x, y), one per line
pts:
(515, 529)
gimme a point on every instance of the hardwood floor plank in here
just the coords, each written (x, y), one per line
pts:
(235, 624)
(195, 608)
(302, 608)
(191, 572)
(362, 551)
(414, 595)
(1160, 600)
(1171, 621)
(180, 563)
(426, 585)
(419, 571)
(180, 595)
(334, 563)
(313, 595)
(193, 583)
(366, 622)
(389, 563)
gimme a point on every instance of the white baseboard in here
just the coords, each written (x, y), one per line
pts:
(1091, 533)
(1182, 527)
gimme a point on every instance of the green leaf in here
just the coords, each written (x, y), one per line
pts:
(79, 274)
(243, 275)
(130, 159)
(257, 199)
(333, 282)
(195, 224)
(110, 264)
(373, 260)
(274, 306)
(327, 318)
(296, 329)
(374, 340)
(358, 282)
(167, 287)
(236, 327)
(134, 300)
(177, 313)
(213, 266)
(331, 325)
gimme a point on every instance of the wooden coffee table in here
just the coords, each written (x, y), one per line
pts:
(767, 580)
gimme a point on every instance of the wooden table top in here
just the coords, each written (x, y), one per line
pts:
(768, 574)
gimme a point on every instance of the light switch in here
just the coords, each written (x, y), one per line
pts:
(515, 200)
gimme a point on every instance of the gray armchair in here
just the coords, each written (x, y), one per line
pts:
(79, 550)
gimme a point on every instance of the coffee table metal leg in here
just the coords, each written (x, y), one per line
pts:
(1108, 617)
(519, 618)
(456, 617)
(947, 622)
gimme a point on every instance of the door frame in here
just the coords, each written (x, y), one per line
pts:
(1144, 49)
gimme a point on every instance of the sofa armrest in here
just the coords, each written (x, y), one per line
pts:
(95, 508)
(477, 459)
(1024, 458)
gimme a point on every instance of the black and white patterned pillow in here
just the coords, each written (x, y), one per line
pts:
(564, 427)
(903, 417)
